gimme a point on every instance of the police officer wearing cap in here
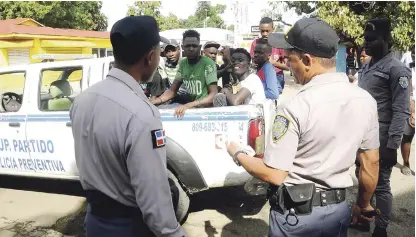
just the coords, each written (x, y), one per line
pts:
(314, 140)
(387, 80)
(119, 142)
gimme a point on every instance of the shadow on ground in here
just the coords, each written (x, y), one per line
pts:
(236, 205)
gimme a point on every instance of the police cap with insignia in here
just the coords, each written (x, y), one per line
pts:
(133, 36)
(310, 35)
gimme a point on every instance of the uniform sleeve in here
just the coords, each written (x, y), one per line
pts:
(399, 85)
(281, 149)
(148, 174)
(210, 73)
(371, 139)
(272, 84)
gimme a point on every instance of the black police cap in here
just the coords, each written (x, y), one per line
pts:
(380, 26)
(135, 35)
(310, 35)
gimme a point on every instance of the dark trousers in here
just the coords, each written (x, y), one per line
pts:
(384, 197)
(115, 227)
(325, 221)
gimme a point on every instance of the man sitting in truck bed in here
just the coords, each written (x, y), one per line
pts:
(198, 73)
(251, 91)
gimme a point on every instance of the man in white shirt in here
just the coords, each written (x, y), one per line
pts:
(407, 57)
(251, 91)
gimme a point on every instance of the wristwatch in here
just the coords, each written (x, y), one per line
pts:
(235, 156)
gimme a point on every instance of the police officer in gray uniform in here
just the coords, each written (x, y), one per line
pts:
(387, 80)
(119, 142)
(315, 137)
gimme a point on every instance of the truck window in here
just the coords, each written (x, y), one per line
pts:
(59, 87)
(12, 85)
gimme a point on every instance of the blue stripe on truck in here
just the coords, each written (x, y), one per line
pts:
(168, 117)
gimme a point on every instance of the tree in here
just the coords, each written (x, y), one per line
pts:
(153, 8)
(349, 18)
(207, 13)
(230, 27)
(58, 14)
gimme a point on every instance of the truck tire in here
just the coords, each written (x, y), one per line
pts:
(179, 198)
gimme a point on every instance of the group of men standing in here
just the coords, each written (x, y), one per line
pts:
(314, 140)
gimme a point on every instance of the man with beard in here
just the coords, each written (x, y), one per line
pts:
(198, 74)
(117, 133)
(251, 91)
(387, 80)
(276, 56)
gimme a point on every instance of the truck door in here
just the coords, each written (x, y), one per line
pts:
(14, 148)
(49, 124)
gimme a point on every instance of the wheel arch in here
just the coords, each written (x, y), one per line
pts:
(183, 166)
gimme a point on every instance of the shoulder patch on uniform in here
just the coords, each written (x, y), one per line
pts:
(404, 82)
(158, 138)
(280, 127)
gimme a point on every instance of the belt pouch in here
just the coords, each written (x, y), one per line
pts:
(300, 198)
(276, 198)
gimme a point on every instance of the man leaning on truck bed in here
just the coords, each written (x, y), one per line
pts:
(198, 73)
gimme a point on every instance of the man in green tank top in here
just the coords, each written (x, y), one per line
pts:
(198, 74)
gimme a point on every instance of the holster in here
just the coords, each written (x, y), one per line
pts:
(299, 197)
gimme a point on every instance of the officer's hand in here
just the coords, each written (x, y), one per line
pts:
(357, 214)
(232, 147)
(180, 111)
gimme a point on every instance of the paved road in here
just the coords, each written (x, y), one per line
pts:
(214, 213)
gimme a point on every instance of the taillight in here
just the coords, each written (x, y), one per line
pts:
(256, 137)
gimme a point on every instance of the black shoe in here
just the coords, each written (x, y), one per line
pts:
(379, 232)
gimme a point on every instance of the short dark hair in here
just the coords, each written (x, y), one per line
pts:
(243, 51)
(126, 53)
(266, 45)
(266, 20)
(191, 34)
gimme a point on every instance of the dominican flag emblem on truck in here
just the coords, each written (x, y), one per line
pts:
(158, 138)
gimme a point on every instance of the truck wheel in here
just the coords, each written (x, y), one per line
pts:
(179, 198)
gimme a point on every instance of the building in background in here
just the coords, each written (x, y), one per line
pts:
(24, 41)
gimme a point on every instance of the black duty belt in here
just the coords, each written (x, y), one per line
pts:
(106, 207)
(333, 196)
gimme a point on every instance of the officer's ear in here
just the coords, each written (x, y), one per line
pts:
(151, 56)
(307, 61)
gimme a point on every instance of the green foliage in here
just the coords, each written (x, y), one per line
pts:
(205, 14)
(349, 18)
(58, 14)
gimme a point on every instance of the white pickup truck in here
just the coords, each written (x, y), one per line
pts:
(36, 139)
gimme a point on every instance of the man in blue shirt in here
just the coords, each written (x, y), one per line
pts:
(266, 71)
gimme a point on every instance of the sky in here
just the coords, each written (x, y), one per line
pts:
(116, 9)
